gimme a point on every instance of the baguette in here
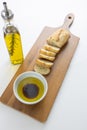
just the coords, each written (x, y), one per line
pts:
(47, 54)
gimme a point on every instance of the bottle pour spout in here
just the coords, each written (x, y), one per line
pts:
(6, 13)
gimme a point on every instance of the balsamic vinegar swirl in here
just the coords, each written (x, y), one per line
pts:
(30, 90)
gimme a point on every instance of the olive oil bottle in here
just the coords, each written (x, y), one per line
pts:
(12, 37)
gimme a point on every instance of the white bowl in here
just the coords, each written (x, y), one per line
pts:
(23, 76)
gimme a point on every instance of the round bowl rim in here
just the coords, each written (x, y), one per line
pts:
(27, 74)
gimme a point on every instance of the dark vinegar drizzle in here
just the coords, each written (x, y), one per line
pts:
(30, 90)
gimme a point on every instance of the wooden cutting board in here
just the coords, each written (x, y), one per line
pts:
(41, 110)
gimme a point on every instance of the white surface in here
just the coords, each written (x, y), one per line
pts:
(69, 111)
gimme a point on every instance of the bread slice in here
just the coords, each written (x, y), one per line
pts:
(44, 63)
(48, 53)
(51, 48)
(42, 70)
(59, 38)
(50, 58)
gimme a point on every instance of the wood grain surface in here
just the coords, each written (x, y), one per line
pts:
(41, 110)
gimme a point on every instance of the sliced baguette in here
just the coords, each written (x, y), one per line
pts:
(51, 48)
(42, 70)
(44, 63)
(50, 58)
(46, 52)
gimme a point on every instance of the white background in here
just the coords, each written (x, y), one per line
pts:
(69, 111)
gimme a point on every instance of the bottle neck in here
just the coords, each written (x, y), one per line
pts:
(8, 22)
(9, 27)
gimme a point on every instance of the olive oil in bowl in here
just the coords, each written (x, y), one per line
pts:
(30, 87)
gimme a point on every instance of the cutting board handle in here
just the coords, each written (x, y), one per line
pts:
(68, 21)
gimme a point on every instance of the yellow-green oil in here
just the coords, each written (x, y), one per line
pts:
(14, 46)
(30, 80)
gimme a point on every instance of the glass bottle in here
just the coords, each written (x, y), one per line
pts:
(12, 37)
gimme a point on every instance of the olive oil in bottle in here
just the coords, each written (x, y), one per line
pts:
(12, 37)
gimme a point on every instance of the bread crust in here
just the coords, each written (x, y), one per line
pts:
(59, 38)
(48, 53)
(44, 63)
(50, 58)
(51, 48)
